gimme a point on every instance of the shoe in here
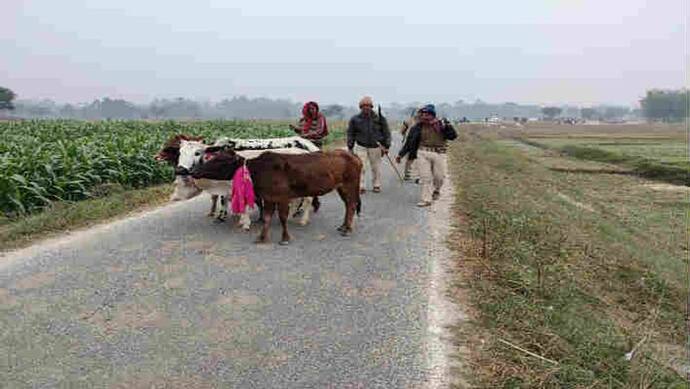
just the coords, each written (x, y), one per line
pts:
(377, 189)
(422, 204)
(362, 191)
(436, 195)
(416, 181)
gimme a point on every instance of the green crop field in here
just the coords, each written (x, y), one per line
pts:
(47, 161)
(657, 152)
(667, 150)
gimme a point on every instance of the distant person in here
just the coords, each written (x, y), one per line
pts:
(426, 144)
(312, 125)
(369, 137)
(404, 130)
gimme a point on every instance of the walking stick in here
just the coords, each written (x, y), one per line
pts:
(392, 164)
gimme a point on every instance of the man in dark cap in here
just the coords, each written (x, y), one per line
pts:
(426, 144)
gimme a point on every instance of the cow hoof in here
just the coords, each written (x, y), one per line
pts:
(284, 242)
(341, 228)
(345, 232)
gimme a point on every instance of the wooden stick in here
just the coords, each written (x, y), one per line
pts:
(392, 164)
(527, 352)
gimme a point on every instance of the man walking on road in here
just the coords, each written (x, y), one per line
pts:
(404, 130)
(426, 144)
(369, 137)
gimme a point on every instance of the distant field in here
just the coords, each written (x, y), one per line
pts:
(665, 149)
(653, 151)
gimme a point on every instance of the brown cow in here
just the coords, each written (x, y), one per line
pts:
(278, 178)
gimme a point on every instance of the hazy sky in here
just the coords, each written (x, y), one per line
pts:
(529, 51)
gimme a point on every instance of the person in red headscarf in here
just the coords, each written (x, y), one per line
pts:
(312, 125)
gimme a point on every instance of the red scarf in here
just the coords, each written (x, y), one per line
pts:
(308, 118)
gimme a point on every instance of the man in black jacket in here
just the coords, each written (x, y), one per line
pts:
(369, 137)
(426, 144)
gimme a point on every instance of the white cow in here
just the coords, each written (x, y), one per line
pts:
(192, 153)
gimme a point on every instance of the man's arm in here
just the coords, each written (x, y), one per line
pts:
(404, 127)
(297, 128)
(320, 130)
(409, 143)
(386, 133)
(448, 130)
(351, 132)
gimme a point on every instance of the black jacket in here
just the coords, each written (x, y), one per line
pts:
(368, 131)
(414, 138)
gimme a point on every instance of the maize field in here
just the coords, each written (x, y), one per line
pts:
(44, 161)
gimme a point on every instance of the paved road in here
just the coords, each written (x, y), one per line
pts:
(170, 299)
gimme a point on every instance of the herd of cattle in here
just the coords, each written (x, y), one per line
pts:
(288, 174)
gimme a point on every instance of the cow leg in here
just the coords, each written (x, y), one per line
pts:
(284, 213)
(306, 204)
(214, 200)
(316, 204)
(296, 207)
(260, 206)
(223, 213)
(268, 214)
(245, 221)
(224, 204)
(349, 200)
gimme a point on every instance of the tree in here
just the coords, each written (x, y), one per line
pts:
(6, 98)
(666, 105)
(551, 112)
(117, 109)
(588, 113)
(335, 110)
(68, 111)
(611, 113)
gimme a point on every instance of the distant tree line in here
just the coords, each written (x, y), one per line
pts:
(658, 105)
(666, 105)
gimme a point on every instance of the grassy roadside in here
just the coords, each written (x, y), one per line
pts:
(63, 217)
(114, 203)
(566, 273)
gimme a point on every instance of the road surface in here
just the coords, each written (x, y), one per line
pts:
(170, 299)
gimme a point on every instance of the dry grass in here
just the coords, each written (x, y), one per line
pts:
(579, 287)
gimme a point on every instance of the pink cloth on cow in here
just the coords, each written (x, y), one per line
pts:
(242, 191)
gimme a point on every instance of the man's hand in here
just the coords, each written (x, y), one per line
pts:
(397, 159)
(294, 128)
